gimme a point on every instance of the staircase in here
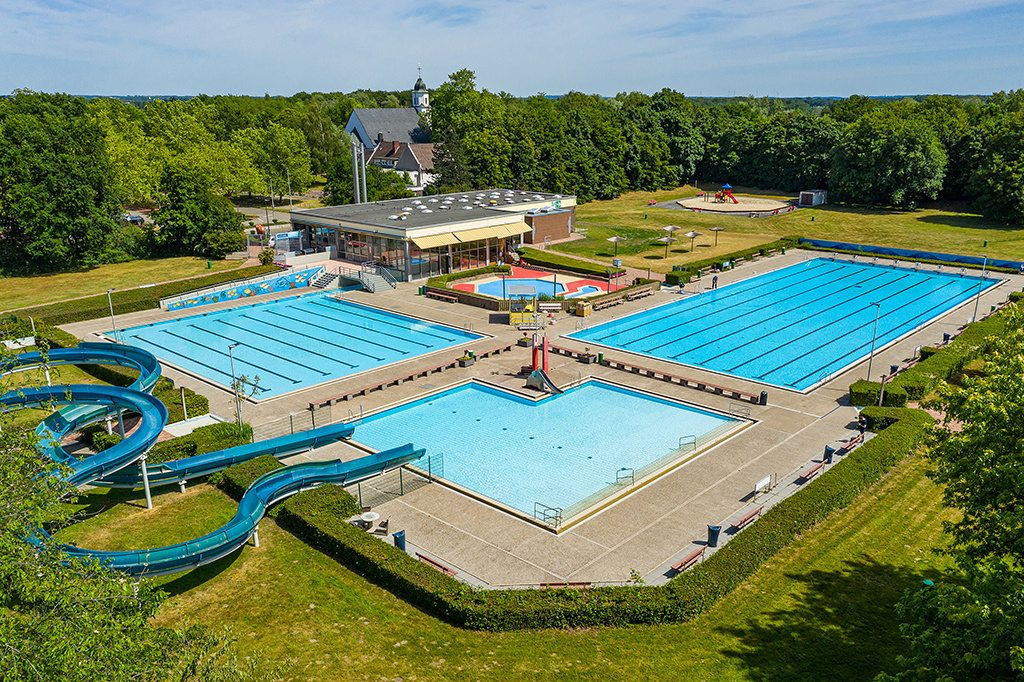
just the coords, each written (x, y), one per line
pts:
(373, 282)
(325, 280)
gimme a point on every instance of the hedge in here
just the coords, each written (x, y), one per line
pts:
(935, 365)
(691, 269)
(441, 281)
(319, 518)
(204, 439)
(549, 259)
(133, 300)
(235, 480)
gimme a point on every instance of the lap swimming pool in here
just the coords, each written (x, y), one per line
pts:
(293, 343)
(793, 327)
(563, 452)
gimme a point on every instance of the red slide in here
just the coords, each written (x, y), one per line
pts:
(734, 199)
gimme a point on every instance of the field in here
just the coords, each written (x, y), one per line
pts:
(823, 610)
(936, 228)
(20, 292)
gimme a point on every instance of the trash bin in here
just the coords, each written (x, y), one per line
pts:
(600, 358)
(713, 533)
(209, 264)
(400, 540)
(893, 369)
(764, 397)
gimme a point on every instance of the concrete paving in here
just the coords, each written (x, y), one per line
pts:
(644, 532)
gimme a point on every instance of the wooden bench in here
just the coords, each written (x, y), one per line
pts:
(689, 560)
(443, 297)
(608, 303)
(813, 471)
(748, 518)
(549, 307)
(771, 252)
(434, 564)
(640, 293)
(564, 586)
(849, 445)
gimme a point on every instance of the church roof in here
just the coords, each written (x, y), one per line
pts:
(399, 125)
(419, 87)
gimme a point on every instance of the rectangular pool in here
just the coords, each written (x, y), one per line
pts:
(293, 343)
(793, 327)
(558, 451)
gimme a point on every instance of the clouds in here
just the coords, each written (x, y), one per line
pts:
(795, 47)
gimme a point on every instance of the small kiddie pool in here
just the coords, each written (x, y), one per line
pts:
(545, 283)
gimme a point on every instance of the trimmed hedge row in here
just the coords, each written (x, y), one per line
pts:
(936, 365)
(204, 439)
(549, 259)
(235, 480)
(318, 517)
(690, 270)
(133, 300)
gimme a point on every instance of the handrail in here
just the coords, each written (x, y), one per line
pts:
(690, 440)
(367, 282)
(388, 277)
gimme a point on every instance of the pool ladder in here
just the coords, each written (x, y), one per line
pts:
(352, 418)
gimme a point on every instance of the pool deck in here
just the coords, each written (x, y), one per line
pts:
(646, 531)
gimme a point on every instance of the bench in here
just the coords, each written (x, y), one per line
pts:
(640, 293)
(771, 252)
(443, 297)
(564, 586)
(748, 518)
(544, 307)
(849, 445)
(689, 560)
(435, 564)
(607, 303)
(813, 471)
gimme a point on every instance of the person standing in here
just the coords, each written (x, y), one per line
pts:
(714, 282)
(862, 424)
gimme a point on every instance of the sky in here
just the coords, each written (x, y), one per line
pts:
(785, 48)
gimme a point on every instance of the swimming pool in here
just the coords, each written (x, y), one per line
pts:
(793, 327)
(559, 451)
(497, 290)
(292, 343)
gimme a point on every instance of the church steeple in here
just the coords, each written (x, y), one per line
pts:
(420, 94)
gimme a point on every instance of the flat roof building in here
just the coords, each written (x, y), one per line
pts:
(425, 236)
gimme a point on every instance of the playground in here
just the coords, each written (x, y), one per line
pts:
(724, 201)
(545, 283)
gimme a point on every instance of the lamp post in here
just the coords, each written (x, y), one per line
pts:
(878, 308)
(980, 281)
(113, 324)
(234, 386)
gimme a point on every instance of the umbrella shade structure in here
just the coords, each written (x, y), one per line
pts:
(615, 240)
(671, 228)
(691, 236)
(727, 186)
(716, 230)
(667, 241)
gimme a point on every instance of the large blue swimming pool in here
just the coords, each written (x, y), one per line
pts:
(793, 327)
(555, 452)
(293, 343)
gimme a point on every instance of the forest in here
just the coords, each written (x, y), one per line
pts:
(69, 166)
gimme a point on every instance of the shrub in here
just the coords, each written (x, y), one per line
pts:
(237, 479)
(266, 257)
(204, 439)
(556, 261)
(442, 280)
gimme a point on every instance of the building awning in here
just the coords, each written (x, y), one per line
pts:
(435, 240)
(493, 232)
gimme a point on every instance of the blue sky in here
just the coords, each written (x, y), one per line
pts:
(767, 47)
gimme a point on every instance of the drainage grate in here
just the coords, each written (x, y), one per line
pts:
(426, 387)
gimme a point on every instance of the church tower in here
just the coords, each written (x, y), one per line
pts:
(420, 95)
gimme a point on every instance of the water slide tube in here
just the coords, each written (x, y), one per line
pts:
(114, 466)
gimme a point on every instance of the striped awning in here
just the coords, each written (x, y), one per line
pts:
(493, 232)
(435, 240)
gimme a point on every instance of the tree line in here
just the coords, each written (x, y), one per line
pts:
(68, 165)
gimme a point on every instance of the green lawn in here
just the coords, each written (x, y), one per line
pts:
(941, 228)
(822, 610)
(18, 292)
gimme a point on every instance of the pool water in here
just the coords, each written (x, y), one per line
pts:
(292, 343)
(557, 451)
(793, 327)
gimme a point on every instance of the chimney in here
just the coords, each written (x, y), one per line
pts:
(394, 149)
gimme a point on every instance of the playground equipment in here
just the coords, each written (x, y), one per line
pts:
(538, 377)
(124, 464)
(523, 310)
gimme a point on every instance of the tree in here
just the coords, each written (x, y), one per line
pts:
(57, 198)
(998, 181)
(381, 184)
(279, 155)
(971, 627)
(884, 158)
(193, 220)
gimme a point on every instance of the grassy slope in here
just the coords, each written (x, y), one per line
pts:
(18, 292)
(945, 229)
(821, 611)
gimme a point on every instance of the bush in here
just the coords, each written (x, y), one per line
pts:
(555, 261)
(133, 300)
(441, 281)
(237, 479)
(266, 257)
(204, 439)
(318, 517)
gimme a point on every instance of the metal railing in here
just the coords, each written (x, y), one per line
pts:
(685, 441)
(367, 282)
(625, 475)
(292, 423)
(549, 515)
(388, 277)
(739, 409)
(432, 466)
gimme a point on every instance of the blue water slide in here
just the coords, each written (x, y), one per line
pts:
(263, 492)
(201, 465)
(82, 471)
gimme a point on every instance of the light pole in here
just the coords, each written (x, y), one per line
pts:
(266, 212)
(234, 386)
(980, 281)
(113, 324)
(878, 308)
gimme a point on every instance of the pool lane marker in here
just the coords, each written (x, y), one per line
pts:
(304, 350)
(330, 330)
(350, 310)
